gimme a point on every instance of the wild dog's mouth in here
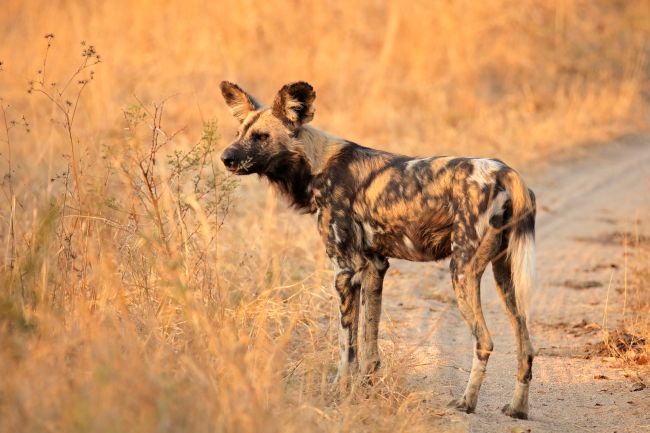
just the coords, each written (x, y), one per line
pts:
(235, 161)
(237, 171)
(240, 169)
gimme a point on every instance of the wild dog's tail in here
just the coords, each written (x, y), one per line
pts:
(521, 246)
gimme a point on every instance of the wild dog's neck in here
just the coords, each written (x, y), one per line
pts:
(318, 147)
(292, 172)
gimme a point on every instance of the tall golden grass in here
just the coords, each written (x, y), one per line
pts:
(631, 342)
(143, 289)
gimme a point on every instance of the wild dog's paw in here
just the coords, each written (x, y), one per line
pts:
(461, 405)
(518, 414)
(368, 370)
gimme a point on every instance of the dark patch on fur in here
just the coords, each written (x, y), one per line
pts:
(291, 174)
(233, 94)
(351, 354)
(529, 372)
(300, 91)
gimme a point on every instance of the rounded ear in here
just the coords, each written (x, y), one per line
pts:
(294, 104)
(240, 102)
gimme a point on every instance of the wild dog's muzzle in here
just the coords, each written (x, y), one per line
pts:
(232, 157)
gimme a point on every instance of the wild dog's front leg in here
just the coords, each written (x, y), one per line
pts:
(344, 246)
(348, 289)
(371, 290)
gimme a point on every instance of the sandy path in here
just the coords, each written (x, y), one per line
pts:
(580, 202)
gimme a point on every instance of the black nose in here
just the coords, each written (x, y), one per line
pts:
(229, 157)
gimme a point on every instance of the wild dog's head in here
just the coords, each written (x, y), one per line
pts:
(265, 135)
(267, 139)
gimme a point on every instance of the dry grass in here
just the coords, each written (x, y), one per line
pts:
(631, 343)
(143, 290)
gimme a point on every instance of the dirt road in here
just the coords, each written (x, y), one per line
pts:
(585, 205)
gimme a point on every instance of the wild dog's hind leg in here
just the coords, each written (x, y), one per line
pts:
(502, 274)
(347, 286)
(467, 266)
(371, 288)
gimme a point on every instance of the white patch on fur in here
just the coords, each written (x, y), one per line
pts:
(291, 108)
(413, 162)
(337, 238)
(483, 171)
(344, 337)
(344, 348)
(368, 233)
(521, 250)
(520, 398)
(344, 369)
(408, 243)
(243, 109)
(475, 380)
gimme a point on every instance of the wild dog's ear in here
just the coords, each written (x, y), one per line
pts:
(294, 104)
(240, 102)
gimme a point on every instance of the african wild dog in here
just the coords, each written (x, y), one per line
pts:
(372, 205)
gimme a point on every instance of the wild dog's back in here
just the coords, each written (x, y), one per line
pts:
(404, 206)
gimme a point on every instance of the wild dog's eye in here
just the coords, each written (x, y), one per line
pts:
(259, 136)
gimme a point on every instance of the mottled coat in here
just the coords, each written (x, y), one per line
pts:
(373, 205)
